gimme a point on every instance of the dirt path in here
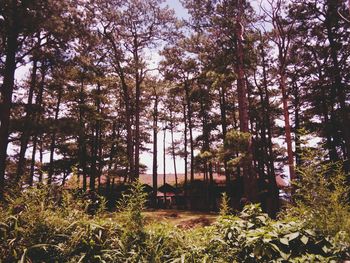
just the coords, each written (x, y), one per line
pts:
(180, 218)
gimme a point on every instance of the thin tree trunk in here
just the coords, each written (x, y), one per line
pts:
(185, 150)
(111, 156)
(268, 115)
(53, 138)
(41, 159)
(95, 143)
(32, 164)
(190, 127)
(37, 119)
(82, 143)
(138, 81)
(26, 131)
(100, 156)
(155, 149)
(173, 149)
(94, 149)
(164, 165)
(336, 75)
(7, 90)
(287, 127)
(222, 94)
(273, 203)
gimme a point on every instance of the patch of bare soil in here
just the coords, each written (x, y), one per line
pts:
(195, 222)
(180, 218)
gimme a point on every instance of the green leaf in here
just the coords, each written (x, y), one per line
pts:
(284, 241)
(325, 249)
(310, 232)
(304, 239)
(292, 236)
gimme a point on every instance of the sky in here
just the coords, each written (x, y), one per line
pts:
(180, 11)
(146, 158)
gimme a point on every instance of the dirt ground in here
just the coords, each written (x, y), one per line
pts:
(180, 218)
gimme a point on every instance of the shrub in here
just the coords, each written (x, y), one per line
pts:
(254, 237)
(321, 196)
(49, 224)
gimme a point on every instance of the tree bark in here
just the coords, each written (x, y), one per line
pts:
(81, 139)
(173, 148)
(249, 179)
(7, 89)
(222, 94)
(164, 163)
(37, 118)
(53, 137)
(287, 126)
(26, 130)
(155, 149)
(331, 15)
(185, 149)
(190, 127)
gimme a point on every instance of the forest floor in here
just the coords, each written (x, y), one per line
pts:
(179, 218)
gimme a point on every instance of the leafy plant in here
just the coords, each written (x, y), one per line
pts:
(225, 208)
(321, 196)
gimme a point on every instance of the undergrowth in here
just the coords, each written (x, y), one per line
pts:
(45, 224)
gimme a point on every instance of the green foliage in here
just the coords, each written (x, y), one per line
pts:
(236, 142)
(253, 237)
(225, 205)
(53, 225)
(321, 196)
(131, 205)
(50, 224)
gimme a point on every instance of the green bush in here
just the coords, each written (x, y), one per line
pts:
(321, 196)
(55, 225)
(254, 237)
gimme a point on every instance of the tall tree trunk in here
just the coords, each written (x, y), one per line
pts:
(53, 137)
(128, 108)
(37, 116)
(273, 203)
(41, 160)
(330, 21)
(268, 115)
(95, 142)
(164, 164)
(111, 156)
(81, 139)
(100, 155)
(287, 126)
(32, 163)
(94, 150)
(26, 131)
(249, 179)
(206, 148)
(155, 149)
(173, 148)
(185, 149)
(222, 94)
(138, 81)
(297, 125)
(7, 89)
(129, 136)
(190, 127)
